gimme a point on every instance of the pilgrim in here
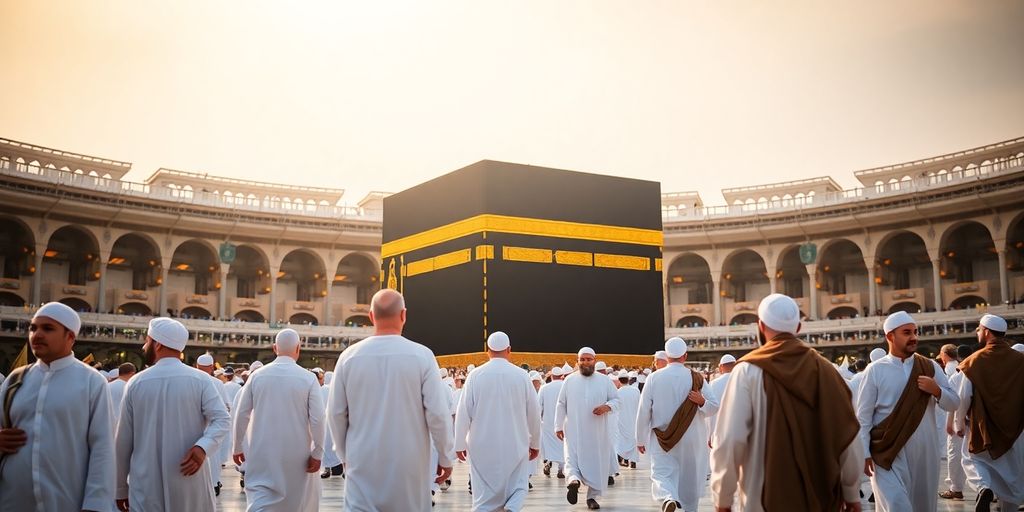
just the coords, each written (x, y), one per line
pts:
(581, 420)
(551, 447)
(56, 441)
(673, 408)
(116, 387)
(786, 435)
(172, 419)
(625, 439)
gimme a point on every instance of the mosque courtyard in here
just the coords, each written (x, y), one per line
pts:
(632, 491)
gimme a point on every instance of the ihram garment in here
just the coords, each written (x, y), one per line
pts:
(588, 443)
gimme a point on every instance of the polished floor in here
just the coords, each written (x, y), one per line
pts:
(632, 491)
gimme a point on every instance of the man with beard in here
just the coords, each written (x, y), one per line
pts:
(991, 417)
(172, 418)
(786, 433)
(581, 420)
(896, 411)
(56, 442)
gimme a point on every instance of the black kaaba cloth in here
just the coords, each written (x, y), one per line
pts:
(557, 259)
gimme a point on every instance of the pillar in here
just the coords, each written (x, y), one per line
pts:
(37, 276)
(326, 317)
(937, 283)
(272, 317)
(812, 272)
(773, 283)
(1004, 278)
(869, 263)
(101, 292)
(161, 308)
(716, 297)
(222, 293)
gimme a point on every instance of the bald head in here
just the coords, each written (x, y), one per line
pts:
(387, 312)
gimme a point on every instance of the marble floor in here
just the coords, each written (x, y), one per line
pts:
(632, 491)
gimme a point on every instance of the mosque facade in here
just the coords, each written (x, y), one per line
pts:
(941, 237)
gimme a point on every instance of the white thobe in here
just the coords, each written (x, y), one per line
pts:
(498, 422)
(680, 473)
(287, 428)
(587, 435)
(738, 445)
(432, 466)
(912, 482)
(116, 390)
(551, 447)
(1005, 475)
(167, 409)
(955, 476)
(214, 460)
(330, 456)
(718, 389)
(231, 390)
(625, 440)
(67, 462)
(386, 404)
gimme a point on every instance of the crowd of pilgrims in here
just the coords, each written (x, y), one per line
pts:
(779, 429)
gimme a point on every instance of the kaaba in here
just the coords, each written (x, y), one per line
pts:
(556, 259)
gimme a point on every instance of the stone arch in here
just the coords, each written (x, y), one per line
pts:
(250, 315)
(358, 321)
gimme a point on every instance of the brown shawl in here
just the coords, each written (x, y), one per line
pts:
(681, 419)
(810, 423)
(889, 436)
(997, 407)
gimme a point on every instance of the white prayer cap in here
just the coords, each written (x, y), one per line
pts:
(897, 319)
(727, 359)
(586, 350)
(1019, 347)
(444, 372)
(287, 340)
(536, 376)
(780, 313)
(168, 332)
(205, 360)
(647, 371)
(317, 370)
(62, 314)
(994, 323)
(631, 375)
(112, 374)
(876, 354)
(600, 366)
(218, 372)
(556, 371)
(661, 355)
(498, 341)
(675, 347)
(566, 369)
(255, 366)
(640, 379)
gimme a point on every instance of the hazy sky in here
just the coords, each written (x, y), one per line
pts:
(383, 95)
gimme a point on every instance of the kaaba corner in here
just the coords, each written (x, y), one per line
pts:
(557, 259)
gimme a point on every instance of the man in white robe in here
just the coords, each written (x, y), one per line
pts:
(498, 425)
(285, 435)
(231, 391)
(660, 360)
(332, 464)
(57, 446)
(739, 443)
(993, 456)
(116, 387)
(551, 447)
(679, 474)
(911, 481)
(207, 365)
(581, 420)
(956, 479)
(725, 366)
(625, 440)
(386, 404)
(172, 418)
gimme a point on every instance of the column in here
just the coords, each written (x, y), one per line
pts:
(161, 308)
(872, 292)
(667, 304)
(37, 276)
(716, 297)
(272, 318)
(773, 283)
(1004, 280)
(812, 272)
(326, 317)
(222, 293)
(937, 283)
(101, 292)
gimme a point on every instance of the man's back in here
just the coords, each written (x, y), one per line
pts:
(499, 403)
(548, 398)
(386, 404)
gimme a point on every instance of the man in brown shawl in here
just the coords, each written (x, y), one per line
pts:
(786, 425)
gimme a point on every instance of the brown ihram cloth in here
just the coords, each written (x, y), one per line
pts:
(889, 436)
(681, 420)
(997, 409)
(810, 424)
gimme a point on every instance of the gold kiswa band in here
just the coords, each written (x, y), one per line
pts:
(523, 226)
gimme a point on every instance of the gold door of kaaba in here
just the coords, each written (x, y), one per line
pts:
(556, 259)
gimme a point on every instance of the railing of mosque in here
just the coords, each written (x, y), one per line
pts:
(126, 328)
(852, 331)
(185, 196)
(909, 186)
